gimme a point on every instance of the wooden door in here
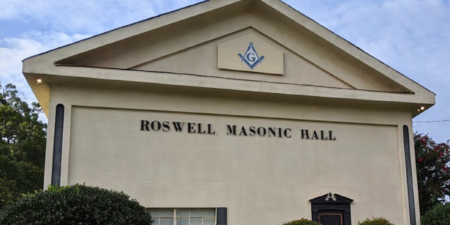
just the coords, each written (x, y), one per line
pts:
(331, 218)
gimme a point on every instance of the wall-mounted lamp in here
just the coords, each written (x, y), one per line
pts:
(422, 108)
(38, 80)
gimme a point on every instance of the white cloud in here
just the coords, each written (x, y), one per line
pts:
(92, 16)
(14, 50)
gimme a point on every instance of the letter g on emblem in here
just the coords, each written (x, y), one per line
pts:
(250, 57)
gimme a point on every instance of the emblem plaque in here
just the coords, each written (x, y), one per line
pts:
(251, 57)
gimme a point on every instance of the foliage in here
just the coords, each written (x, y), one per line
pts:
(376, 221)
(438, 215)
(433, 174)
(301, 222)
(22, 146)
(78, 204)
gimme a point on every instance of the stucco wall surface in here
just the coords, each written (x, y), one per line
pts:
(261, 180)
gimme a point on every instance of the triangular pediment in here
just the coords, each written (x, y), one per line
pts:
(300, 56)
(331, 199)
(204, 56)
(205, 60)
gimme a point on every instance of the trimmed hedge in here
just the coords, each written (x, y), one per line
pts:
(77, 205)
(301, 222)
(438, 215)
(376, 221)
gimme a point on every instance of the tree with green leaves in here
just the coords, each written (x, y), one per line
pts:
(433, 174)
(22, 146)
(438, 215)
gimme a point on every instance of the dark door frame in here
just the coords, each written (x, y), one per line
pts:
(323, 204)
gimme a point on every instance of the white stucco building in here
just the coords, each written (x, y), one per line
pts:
(235, 112)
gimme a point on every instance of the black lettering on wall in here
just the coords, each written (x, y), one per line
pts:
(191, 128)
(155, 125)
(200, 131)
(166, 126)
(261, 131)
(144, 125)
(331, 136)
(286, 132)
(252, 131)
(272, 132)
(231, 130)
(199, 128)
(178, 126)
(243, 132)
(314, 136)
(322, 135)
(210, 130)
(305, 134)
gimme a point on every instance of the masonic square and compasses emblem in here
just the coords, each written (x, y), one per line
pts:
(250, 57)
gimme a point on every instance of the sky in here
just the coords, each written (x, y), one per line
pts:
(412, 36)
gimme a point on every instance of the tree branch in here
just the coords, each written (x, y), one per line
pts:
(1, 128)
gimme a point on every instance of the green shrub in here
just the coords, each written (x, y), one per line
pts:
(376, 221)
(78, 204)
(438, 215)
(301, 222)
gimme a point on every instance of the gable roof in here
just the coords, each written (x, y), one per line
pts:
(45, 64)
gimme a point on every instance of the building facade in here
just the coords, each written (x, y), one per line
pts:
(232, 112)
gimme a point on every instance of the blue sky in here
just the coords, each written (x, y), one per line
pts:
(412, 36)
